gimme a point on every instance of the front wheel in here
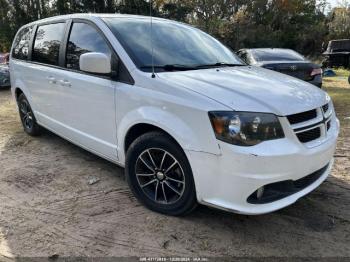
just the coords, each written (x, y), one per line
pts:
(160, 175)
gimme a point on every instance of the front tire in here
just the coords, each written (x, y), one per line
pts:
(26, 114)
(160, 175)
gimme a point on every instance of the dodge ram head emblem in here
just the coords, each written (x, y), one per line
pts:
(293, 68)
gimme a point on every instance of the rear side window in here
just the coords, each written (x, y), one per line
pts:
(21, 44)
(84, 39)
(47, 43)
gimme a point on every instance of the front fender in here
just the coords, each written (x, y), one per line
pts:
(176, 127)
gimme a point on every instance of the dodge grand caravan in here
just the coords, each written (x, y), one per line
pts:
(189, 121)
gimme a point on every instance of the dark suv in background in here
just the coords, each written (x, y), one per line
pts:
(337, 53)
(285, 61)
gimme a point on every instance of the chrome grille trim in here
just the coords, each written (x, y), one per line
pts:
(307, 128)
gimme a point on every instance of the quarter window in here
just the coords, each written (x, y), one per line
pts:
(84, 39)
(47, 43)
(21, 44)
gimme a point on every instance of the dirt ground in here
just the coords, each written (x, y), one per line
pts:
(48, 208)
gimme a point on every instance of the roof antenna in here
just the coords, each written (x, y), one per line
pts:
(150, 14)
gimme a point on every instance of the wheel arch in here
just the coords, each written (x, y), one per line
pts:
(139, 129)
(18, 88)
(18, 91)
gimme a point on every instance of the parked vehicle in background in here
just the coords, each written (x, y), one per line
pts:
(337, 54)
(4, 70)
(186, 117)
(285, 61)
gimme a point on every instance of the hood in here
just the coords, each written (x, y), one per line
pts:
(250, 88)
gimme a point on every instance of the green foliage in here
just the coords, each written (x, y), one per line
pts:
(298, 24)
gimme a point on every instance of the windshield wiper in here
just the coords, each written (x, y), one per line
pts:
(173, 67)
(178, 67)
(219, 64)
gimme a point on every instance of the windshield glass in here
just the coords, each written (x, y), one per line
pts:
(173, 44)
(276, 55)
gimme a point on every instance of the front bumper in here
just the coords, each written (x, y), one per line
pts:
(226, 181)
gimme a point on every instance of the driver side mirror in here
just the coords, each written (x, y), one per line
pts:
(97, 63)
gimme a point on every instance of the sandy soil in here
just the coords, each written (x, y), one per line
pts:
(47, 207)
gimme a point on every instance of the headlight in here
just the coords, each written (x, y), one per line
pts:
(245, 128)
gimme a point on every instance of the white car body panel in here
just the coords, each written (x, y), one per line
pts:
(97, 113)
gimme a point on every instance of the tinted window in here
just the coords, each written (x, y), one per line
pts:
(83, 39)
(47, 43)
(173, 43)
(21, 43)
(276, 55)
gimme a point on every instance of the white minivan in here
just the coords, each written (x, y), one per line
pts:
(187, 118)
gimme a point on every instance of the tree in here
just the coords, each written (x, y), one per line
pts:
(296, 24)
(339, 23)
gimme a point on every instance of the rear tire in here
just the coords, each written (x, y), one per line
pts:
(26, 114)
(159, 174)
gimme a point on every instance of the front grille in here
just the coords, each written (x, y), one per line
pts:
(325, 108)
(309, 135)
(279, 190)
(302, 117)
(312, 125)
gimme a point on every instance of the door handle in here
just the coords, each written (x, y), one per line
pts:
(51, 80)
(65, 83)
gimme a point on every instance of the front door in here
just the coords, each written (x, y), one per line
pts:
(89, 100)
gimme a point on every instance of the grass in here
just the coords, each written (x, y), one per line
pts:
(339, 89)
(341, 72)
(340, 80)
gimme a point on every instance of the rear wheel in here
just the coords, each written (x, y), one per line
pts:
(159, 174)
(26, 114)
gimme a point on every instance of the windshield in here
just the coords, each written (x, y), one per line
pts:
(276, 55)
(174, 44)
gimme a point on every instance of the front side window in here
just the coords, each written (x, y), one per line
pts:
(173, 43)
(21, 44)
(47, 43)
(84, 39)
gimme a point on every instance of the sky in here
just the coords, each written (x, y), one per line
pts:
(334, 3)
(337, 2)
